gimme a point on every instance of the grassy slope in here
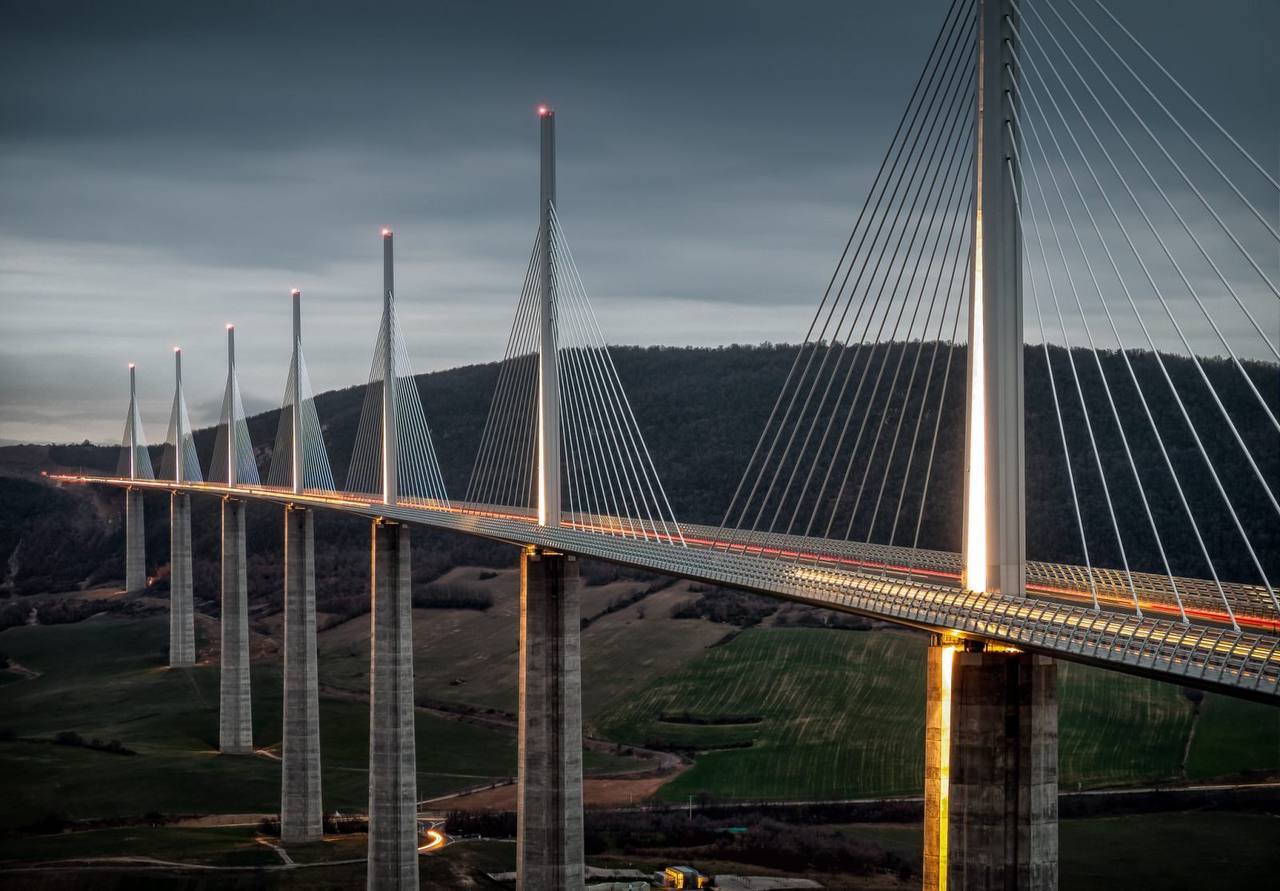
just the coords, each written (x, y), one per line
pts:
(1172, 852)
(105, 678)
(842, 716)
(471, 656)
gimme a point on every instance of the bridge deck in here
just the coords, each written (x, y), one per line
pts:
(923, 594)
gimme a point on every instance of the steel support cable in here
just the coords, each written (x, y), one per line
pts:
(957, 119)
(1248, 157)
(360, 474)
(482, 474)
(1115, 413)
(425, 464)
(570, 426)
(246, 464)
(609, 469)
(606, 412)
(1174, 118)
(518, 467)
(820, 450)
(1071, 363)
(499, 433)
(1266, 488)
(525, 474)
(956, 286)
(608, 477)
(907, 113)
(956, 98)
(949, 278)
(953, 45)
(1178, 215)
(648, 472)
(581, 475)
(937, 422)
(954, 165)
(312, 438)
(604, 422)
(959, 206)
(1057, 406)
(1147, 334)
(952, 120)
(1195, 526)
(277, 473)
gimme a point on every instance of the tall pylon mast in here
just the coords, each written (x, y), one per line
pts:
(548, 373)
(231, 405)
(296, 419)
(179, 434)
(390, 439)
(133, 422)
(994, 503)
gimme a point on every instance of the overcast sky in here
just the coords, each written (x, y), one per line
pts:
(166, 168)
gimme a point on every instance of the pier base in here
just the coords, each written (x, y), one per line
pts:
(182, 617)
(991, 789)
(549, 794)
(300, 808)
(135, 542)
(235, 714)
(393, 785)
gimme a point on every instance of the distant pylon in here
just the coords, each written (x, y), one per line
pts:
(135, 460)
(394, 455)
(233, 461)
(298, 459)
(181, 463)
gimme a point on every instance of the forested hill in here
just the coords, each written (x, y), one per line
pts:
(702, 411)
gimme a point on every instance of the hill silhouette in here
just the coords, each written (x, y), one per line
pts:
(701, 410)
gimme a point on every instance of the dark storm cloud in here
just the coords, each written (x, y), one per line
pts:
(165, 168)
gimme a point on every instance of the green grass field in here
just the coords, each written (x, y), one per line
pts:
(841, 715)
(106, 678)
(1173, 852)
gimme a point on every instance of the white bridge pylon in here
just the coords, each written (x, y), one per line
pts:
(299, 460)
(561, 442)
(394, 455)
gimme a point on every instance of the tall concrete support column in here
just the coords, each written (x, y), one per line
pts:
(1002, 831)
(549, 794)
(235, 713)
(300, 811)
(135, 542)
(393, 784)
(937, 761)
(182, 627)
(994, 502)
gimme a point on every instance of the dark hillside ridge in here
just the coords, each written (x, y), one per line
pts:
(701, 410)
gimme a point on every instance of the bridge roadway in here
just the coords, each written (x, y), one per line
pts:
(918, 589)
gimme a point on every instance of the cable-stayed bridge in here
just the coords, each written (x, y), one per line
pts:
(1045, 157)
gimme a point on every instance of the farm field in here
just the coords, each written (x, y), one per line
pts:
(1173, 851)
(798, 713)
(105, 678)
(467, 656)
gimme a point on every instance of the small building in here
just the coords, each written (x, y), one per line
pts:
(683, 877)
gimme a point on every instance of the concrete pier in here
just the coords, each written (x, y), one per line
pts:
(393, 786)
(1003, 825)
(235, 714)
(135, 542)
(182, 627)
(937, 761)
(549, 793)
(300, 808)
